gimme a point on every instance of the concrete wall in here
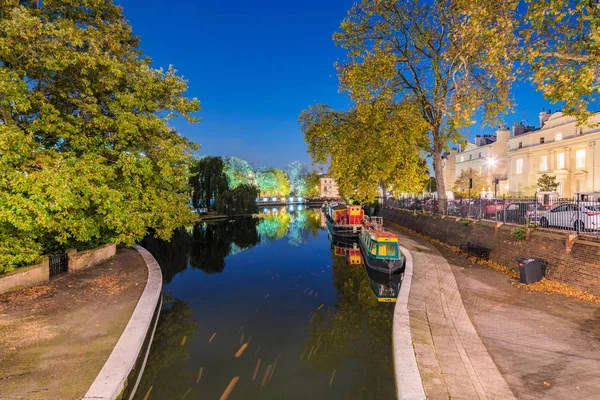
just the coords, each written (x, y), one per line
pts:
(575, 262)
(26, 276)
(39, 273)
(79, 260)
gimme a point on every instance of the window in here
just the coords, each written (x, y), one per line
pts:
(520, 145)
(560, 161)
(462, 158)
(470, 156)
(387, 250)
(580, 158)
(479, 154)
(542, 140)
(544, 163)
(519, 166)
(374, 249)
(558, 136)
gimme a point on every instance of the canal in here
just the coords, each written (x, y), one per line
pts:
(264, 304)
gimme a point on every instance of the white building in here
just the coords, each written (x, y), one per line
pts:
(329, 188)
(558, 148)
(487, 156)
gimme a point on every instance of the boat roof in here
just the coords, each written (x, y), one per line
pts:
(339, 207)
(382, 235)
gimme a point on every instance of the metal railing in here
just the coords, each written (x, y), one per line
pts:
(554, 213)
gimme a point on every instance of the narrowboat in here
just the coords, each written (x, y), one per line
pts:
(380, 247)
(350, 251)
(344, 222)
(385, 286)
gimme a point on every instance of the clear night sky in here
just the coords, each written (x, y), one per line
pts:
(255, 65)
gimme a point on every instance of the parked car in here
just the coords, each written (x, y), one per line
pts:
(581, 217)
(520, 213)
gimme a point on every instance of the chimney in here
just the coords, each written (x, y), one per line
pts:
(544, 117)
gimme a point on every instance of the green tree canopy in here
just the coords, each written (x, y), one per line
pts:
(450, 57)
(547, 183)
(461, 185)
(297, 173)
(376, 143)
(239, 172)
(273, 182)
(208, 181)
(313, 184)
(86, 152)
(237, 201)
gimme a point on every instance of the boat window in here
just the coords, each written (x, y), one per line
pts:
(387, 250)
(374, 249)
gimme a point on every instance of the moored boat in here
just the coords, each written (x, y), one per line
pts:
(379, 247)
(385, 286)
(344, 222)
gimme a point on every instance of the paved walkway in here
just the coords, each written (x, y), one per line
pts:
(55, 337)
(477, 336)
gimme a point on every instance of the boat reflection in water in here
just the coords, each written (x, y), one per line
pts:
(385, 286)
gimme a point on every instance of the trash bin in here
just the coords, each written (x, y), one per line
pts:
(531, 270)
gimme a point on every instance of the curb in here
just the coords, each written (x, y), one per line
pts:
(115, 377)
(409, 385)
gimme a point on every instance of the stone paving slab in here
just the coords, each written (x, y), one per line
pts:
(55, 337)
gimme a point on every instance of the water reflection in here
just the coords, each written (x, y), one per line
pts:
(170, 351)
(274, 284)
(356, 331)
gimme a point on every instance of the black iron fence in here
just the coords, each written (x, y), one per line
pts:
(555, 213)
(59, 264)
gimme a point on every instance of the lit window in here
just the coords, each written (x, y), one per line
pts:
(560, 161)
(462, 158)
(558, 136)
(580, 158)
(544, 163)
(542, 140)
(520, 166)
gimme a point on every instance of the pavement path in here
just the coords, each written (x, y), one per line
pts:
(452, 359)
(55, 337)
(476, 335)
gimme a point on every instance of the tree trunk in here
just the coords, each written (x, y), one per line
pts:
(438, 148)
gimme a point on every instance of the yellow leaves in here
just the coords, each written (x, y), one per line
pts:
(553, 287)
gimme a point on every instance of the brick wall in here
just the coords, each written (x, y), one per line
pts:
(578, 266)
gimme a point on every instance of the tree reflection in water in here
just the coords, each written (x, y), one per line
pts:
(355, 333)
(169, 352)
(172, 256)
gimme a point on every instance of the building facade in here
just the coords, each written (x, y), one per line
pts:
(558, 148)
(487, 157)
(329, 188)
(518, 157)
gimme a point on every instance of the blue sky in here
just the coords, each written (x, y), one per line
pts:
(255, 65)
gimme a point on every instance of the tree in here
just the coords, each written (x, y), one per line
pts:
(239, 172)
(430, 185)
(237, 201)
(561, 51)
(373, 144)
(86, 152)
(461, 185)
(273, 182)
(313, 184)
(208, 181)
(297, 173)
(449, 57)
(547, 183)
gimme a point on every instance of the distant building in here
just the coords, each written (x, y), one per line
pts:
(487, 156)
(558, 148)
(329, 188)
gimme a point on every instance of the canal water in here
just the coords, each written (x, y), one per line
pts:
(265, 306)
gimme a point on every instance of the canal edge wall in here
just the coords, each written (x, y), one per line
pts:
(121, 374)
(571, 261)
(409, 385)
